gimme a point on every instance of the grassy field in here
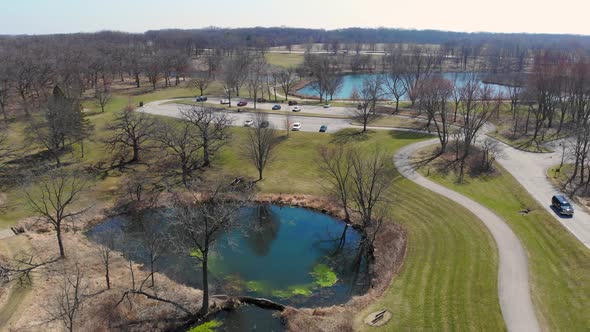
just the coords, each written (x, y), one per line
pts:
(559, 264)
(16, 295)
(284, 59)
(449, 279)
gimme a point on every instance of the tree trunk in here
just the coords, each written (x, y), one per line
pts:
(62, 252)
(205, 307)
(107, 276)
(135, 153)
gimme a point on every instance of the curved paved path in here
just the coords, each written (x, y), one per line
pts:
(513, 285)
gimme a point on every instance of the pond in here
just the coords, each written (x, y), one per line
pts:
(355, 81)
(291, 255)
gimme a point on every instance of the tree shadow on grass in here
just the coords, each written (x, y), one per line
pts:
(344, 136)
(396, 134)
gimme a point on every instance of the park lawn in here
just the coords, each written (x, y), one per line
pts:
(449, 278)
(285, 60)
(559, 264)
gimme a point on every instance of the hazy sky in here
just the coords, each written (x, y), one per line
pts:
(62, 16)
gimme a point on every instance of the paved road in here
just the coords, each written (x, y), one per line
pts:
(5, 233)
(308, 123)
(530, 170)
(315, 109)
(513, 285)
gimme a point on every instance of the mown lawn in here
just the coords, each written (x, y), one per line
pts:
(559, 264)
(284, 59)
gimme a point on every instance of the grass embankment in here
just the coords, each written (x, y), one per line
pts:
(449, 278)
(559, 264)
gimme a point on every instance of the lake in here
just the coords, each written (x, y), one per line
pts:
(355, 81)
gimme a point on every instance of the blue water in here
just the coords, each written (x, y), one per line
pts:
(271, 254)
(355, 81)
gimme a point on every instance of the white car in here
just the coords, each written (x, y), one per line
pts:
(248, 123)
(296, 126)
(224, 101)
(296, 109)
(327, 106)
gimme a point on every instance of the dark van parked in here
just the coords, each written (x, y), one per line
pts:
(562, 205)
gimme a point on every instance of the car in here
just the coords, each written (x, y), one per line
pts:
(264, 124)
(248, 123)
(296, 126)
(276, 107)
(296, 109)
(260, 100)
(327, 106)
(562, 205)
(292, 102)
(323, 128)
(242, 103)
(224, 101)
(201, 98)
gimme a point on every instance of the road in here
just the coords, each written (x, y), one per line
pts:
(314, 109)
(530, 170)
(513, 285)
(308, 123)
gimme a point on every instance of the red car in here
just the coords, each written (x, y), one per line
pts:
(292, 102)
(242, 103)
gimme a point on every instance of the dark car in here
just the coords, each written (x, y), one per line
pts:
(242, 103)
(323, 129)
(292, 102)
(201, 98)
(260, 100)
(562, 205)
(276, 107)
(264, 124)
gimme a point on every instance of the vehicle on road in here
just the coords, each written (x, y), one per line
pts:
(292, 102)
(224, 101)
(201, 98)
(264, 124)
(323, 128)
(562, 205)
(296, 109)
(276, 107)
(327, 106)
(296, 126)
(248, 123)
(242, 103)
(260, 100)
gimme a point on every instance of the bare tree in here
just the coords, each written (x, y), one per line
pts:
(256, 76)
(5, 88)
(202, 220)
(366, 100)
(287, 79)
(261, 141)
(108, 240)
(334, 164)
(288, 122)
(129, 131)
(394, 82)
(181, 147)
(201, 81)
(54, 198)
(417, 67)
(69, 298)
(212, 129)
(103, 97)
(432, 98)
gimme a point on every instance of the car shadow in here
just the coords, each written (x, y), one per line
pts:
(562, 216)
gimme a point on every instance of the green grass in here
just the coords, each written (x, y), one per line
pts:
(284, 59)
(559, 264)
(16, 295)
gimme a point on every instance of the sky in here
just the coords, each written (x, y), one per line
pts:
(67, 16)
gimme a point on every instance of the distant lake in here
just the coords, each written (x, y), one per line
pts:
(355, 81)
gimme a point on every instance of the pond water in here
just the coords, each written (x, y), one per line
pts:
(355, 81)
(291, 255)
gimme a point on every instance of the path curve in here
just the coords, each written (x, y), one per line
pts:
(513, 284)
